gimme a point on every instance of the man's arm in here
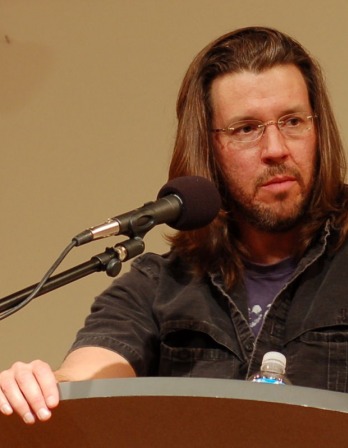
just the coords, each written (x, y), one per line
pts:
(31, 389)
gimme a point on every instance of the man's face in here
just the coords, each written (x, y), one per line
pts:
(271, 181)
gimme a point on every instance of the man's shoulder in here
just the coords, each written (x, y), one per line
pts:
(154, 265)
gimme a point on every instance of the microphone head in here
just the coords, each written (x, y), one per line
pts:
(201, 201)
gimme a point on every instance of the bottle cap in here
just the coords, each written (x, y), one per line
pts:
(272, 360)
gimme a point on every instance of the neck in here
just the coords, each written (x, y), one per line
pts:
(266, 247)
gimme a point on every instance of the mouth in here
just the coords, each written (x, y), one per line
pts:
(279, 183)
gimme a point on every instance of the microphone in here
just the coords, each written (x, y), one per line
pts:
(184, 203)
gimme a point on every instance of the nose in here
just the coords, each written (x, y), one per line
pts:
(273, 146)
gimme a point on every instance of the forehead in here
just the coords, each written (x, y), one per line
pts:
(264, 95)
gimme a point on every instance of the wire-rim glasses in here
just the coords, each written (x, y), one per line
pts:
(246, 132)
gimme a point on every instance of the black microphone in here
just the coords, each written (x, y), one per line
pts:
(184, 203)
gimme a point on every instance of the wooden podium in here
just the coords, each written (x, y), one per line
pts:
(185, 413)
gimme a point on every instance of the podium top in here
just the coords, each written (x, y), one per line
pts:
(206, 388)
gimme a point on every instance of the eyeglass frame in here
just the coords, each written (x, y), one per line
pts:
(263, 125)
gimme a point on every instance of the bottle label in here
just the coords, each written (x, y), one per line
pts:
(268, 381)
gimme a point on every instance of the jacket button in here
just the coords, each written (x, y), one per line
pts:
(249, 346)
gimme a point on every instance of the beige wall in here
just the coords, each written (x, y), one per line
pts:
(87, 99)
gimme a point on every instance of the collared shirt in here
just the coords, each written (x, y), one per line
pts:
(167, 323)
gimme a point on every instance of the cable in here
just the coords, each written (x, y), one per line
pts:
(40, 285)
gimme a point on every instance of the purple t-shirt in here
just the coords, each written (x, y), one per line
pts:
(263, 283)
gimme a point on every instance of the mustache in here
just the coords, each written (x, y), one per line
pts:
(278, 170)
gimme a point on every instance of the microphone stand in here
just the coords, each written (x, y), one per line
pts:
(109, 261)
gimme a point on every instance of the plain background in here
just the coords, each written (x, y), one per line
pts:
(87, 123)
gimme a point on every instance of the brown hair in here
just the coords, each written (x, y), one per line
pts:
(216, 247)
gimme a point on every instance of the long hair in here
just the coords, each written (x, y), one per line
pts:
(216, 246)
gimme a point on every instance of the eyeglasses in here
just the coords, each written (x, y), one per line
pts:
(247, 132)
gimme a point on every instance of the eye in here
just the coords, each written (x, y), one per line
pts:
(242, 129)
(292, 121)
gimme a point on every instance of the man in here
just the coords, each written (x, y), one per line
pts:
(266, 274)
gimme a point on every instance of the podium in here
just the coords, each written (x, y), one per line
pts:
(185, 413)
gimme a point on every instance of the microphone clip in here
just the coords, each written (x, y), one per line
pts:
(113, 257)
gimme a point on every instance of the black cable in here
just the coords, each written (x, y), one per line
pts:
(40, 285)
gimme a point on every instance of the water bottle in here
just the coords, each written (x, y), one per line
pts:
(272, 370)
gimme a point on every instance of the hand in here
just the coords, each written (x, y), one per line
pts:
(30, 390)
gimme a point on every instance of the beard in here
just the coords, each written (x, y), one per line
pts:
(283, 214)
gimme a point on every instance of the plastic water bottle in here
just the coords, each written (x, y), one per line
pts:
(272, 370)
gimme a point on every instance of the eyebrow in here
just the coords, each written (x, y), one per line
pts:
(288, 111)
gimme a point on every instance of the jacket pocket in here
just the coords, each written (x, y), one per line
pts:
(319, 358)
(198, 349)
